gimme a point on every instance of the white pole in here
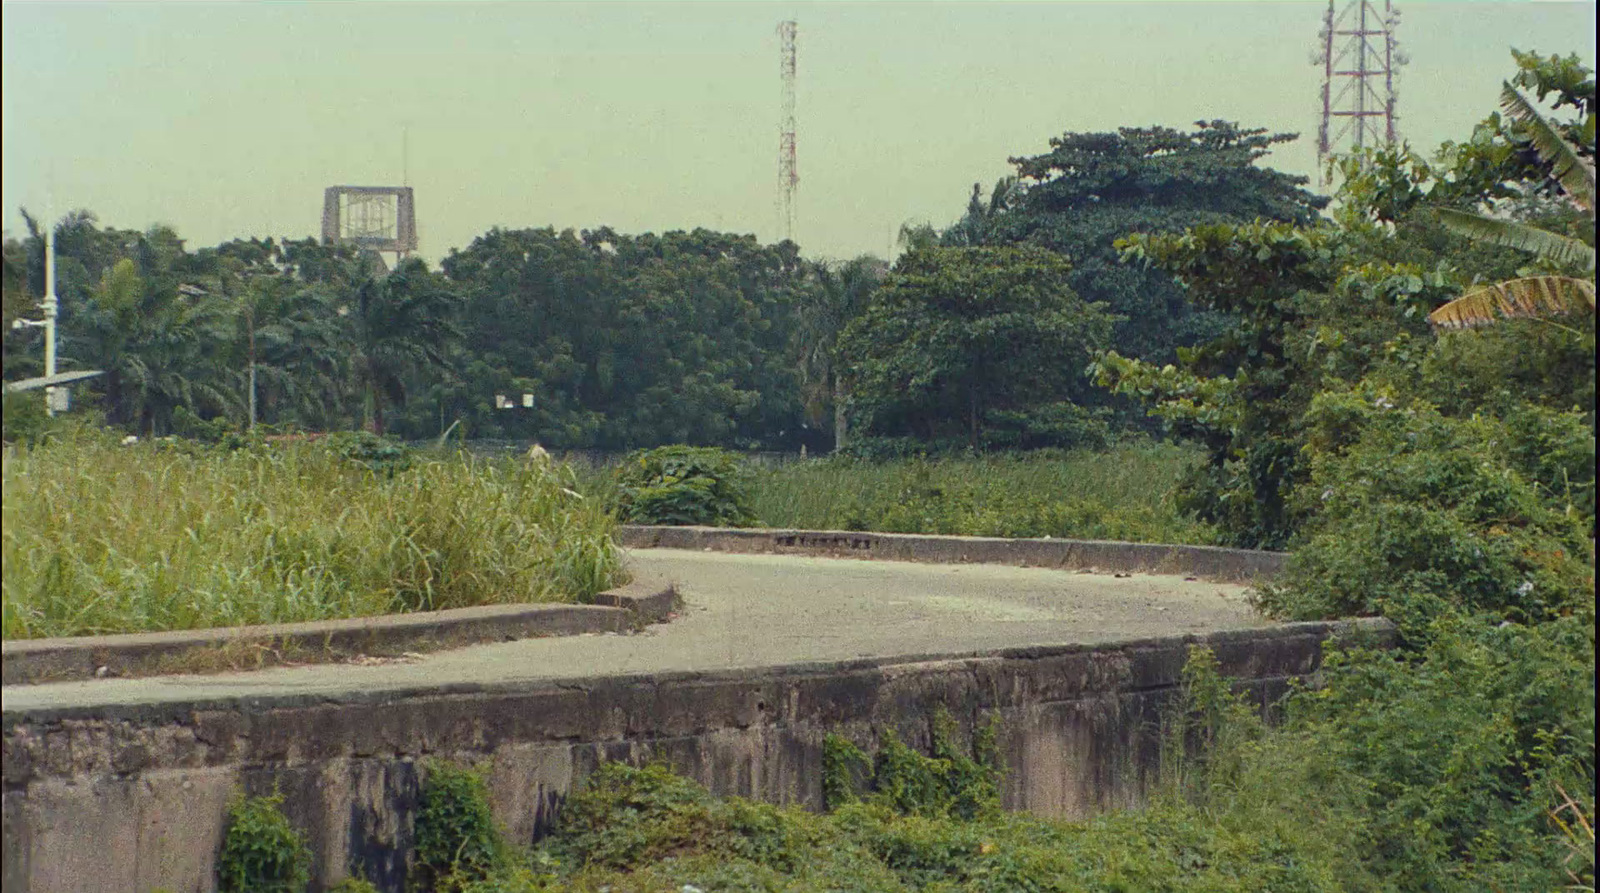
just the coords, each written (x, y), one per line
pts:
(49, 304)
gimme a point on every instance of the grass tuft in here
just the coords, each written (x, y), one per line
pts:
(105, 538)
(1124, 493)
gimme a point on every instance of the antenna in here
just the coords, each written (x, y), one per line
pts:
(1359, 56)
(405, 154)
(788, 172)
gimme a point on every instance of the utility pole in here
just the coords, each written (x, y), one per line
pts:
(55, 393)
(51, 308)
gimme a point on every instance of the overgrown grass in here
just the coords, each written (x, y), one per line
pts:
(102, 538)
(1123, 493)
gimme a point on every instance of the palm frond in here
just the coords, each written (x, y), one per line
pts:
(1511, 234)
(1574, 172)
(1535, 296)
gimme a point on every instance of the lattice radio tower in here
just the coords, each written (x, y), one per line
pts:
(788, 172)
(1359, 58)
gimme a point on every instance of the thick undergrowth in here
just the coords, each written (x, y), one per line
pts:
(102, 537)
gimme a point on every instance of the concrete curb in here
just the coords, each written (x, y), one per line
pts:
(1212, 563)
(32, 661)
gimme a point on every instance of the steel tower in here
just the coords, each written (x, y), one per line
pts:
(788, 172)
(1359, 58)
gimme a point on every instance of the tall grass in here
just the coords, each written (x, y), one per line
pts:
(1124, 493)
(101, 538)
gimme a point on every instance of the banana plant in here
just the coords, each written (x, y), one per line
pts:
(1532, 296)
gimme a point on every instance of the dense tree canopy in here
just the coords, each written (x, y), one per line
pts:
(959, 341)
(1091, 189)
(629, 340)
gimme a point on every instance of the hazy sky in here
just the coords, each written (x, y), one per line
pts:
(229, 119)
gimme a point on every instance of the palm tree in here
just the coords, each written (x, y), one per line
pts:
(153, 344)
(295, 352)
(403, 322)
(977, 225)
(840, 295)
(1532, 296)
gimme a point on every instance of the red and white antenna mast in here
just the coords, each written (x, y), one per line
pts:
(1359, 57)
(788, 172)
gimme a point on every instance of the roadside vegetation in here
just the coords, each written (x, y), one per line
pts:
(105, 537)
(1401, 394)
(1124, 492)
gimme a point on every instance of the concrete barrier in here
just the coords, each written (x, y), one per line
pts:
(134, 797)
(1205, 562)
(29, 661)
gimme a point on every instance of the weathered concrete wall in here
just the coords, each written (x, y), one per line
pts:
(30, 661)
(134, 798)
(1206, 562)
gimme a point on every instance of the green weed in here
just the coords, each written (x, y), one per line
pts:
(261, 851)
(1125, 493)
(102, 538)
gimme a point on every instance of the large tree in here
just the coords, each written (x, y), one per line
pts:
(403, 324)
(838, 293)
(1091, 189)
(959, 341)
(630, 340)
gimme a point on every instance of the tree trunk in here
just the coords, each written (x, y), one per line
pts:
(841, 423)
(972, 418)
(252, 324)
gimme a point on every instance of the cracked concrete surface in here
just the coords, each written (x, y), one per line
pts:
(750, 611)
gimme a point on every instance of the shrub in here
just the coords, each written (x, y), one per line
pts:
(261, 851)
(1420, 511)
(950, 780)
(457, 841)
(683, 485)
(378, 454)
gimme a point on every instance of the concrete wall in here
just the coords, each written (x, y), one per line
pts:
(131, 799)
(1206, 562)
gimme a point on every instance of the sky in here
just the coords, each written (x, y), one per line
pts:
(229, 119)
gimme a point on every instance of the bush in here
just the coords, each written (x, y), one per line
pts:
(261, 851)
(378, 454)
(949, 781)
(457, 842)
(1420, 512)
(25, 419)
(683, 485)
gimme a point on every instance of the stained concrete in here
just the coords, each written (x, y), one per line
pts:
(751, 611)
(1214, 563)
(120, 784)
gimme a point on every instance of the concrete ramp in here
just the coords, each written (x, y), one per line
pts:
(123, 783)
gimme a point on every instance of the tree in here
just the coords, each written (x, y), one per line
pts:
(839, 294)
(957, 336)
(626, 341)
(1533, 296)
(155, 344)
(1091, 189)
(402, 324)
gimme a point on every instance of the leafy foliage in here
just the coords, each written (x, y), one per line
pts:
(1091, 189)
(686, 337)
(954, 340)
(683, 485)
(1424, 513)
(261, 851)
(457, 841)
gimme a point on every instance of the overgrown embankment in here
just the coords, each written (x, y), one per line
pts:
(1125, 492)
(101, 537)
